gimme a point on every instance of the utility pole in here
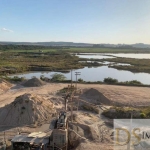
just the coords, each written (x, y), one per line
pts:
(71, 110)
(71, 78)
(4, 138)
(77, 73)
(78, 105)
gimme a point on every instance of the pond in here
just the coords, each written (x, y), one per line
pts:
(96, 74)
(96, 56)
(138, 56)
(107, 63)
(112, 55)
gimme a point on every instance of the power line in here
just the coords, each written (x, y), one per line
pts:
(77, 73)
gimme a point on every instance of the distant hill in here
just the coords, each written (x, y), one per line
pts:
(141, 45)
(137, 45)
(48, 43)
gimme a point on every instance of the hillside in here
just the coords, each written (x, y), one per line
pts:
(137, 45)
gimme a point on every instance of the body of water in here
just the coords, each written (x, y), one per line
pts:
(96, 74)
(107, 63)
(138, 56)
(94, 56)
(102, 55)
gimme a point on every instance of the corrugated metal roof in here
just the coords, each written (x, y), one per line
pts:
(37, 134)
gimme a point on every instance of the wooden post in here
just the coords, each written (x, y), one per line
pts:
(78, 105)
(4, 137)
(71, 111)
(71, 78)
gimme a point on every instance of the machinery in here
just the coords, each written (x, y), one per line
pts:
(2, 145)
(59, 136)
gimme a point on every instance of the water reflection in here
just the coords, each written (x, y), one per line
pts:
(112, 55)
(97, 74)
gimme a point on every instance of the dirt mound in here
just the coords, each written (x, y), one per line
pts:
(34, 82)
(26, 109)
(4, 85)
(79, 132)
(95, 97)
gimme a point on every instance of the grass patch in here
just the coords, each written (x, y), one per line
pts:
(125, 113)
(90, 108)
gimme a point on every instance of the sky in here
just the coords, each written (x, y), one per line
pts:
(88, 21)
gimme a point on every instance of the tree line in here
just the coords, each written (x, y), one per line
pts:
(25, 47)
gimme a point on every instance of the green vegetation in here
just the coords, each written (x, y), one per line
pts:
(110, 80)
(21, 58)
(14, 79)
(67, 89)
(104, 50)
(133, 82)
(36, 48)
(91, 108)
(125, 112)
(58, 77)
(11, 62)
(80, 80)
(136, 65)
(142, 115)
(115, 81)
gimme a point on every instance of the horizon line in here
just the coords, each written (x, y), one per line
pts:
(75, 42)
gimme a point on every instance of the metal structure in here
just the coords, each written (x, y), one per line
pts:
(33, 141)
(77, 73)
(71, 77)
(2, 145)
(59, 136)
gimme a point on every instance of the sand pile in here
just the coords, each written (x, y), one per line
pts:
(95, 97)
(34, 82)
(79, 132)
(4, 85)
(26, 109)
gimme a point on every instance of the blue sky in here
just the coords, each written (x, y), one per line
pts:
(91, 21)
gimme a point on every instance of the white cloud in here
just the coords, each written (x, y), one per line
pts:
(7, 30)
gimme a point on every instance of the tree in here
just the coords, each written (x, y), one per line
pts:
(42, 77)
(58, 77)
(110, 80)
(80, 80)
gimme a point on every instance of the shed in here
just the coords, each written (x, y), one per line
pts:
(37, 140)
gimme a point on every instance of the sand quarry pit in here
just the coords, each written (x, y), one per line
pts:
(34, 82)
(25, 110)
(4, 85)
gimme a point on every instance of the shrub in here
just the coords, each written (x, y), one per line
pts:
(142, 115)
(90, 108)
(80, 80)
(15, 78)
(42, 77)
(134, 82)
(58, 77)
(110, 80)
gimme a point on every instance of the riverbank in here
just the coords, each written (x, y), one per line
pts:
(60, 60)
(106, 81)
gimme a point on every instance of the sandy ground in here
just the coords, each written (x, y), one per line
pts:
(17, 90)
(126, 95)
